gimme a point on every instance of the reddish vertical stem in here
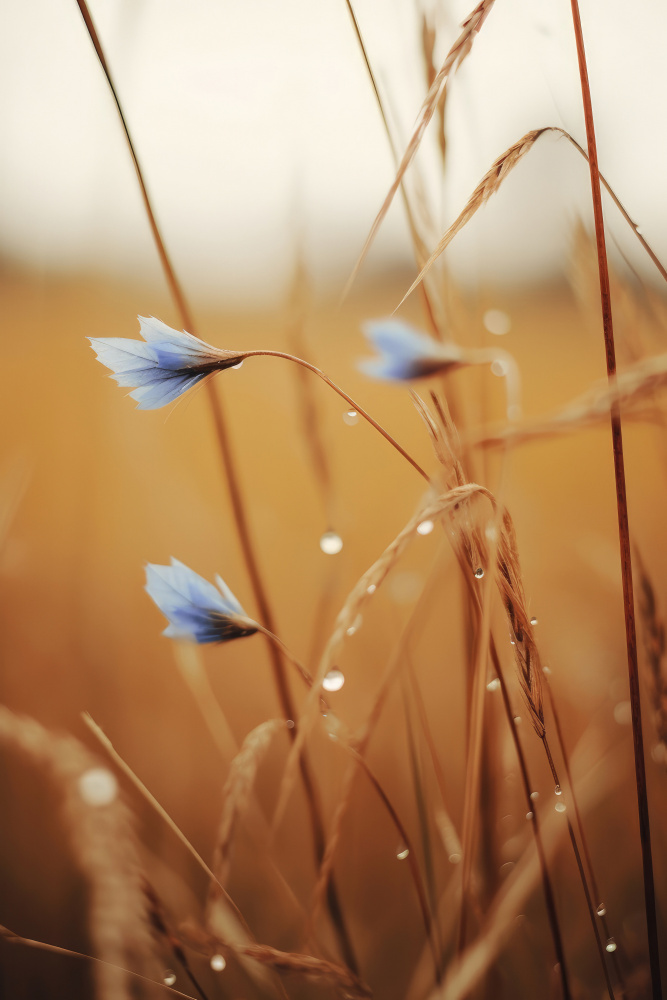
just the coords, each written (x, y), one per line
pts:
(239, 512)
(623, 526)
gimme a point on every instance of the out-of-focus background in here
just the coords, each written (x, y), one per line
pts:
(262, 144)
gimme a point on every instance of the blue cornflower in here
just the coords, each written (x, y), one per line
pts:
(405, 353)
(195, 608)
(164, 367)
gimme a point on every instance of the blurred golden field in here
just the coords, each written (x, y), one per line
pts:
(165, 829)
(92, 490)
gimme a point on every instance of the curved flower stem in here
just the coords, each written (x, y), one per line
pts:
(623, 525)
(305, 675)
(239, 512)
(348, 399)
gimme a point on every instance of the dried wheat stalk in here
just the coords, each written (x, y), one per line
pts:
(654, 649)
(360, 594)
(238, 791)
(337, 976)
(453, 60)
(487, 187)
(105, 848)
(633, 386)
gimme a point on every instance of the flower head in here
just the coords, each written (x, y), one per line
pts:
(405, 353)
(162, 367)
(195, 608)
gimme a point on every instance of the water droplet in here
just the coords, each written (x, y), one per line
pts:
(402, 853)
(534, 796)
(560, 807)
(169, 977)
(239, 365)
(610, 945)
(218, 963)
(371, 589)
(558, 790)
(533, 620)
(601, 910)
(290, 723)
(333, 681)
(351, 417)
(529, 815)
(98, 787)
(454, 858)
(512, 641)
(479, 573)
(496, 321)
(425, 528)
(493, 685)
(517, 720)
(331, 543)
(498, 368)
(355, 626)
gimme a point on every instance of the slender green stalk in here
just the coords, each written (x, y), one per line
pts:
(623, 524)
(239, 511)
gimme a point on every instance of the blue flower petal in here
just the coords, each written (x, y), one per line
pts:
(194, 607)
(164, 365)
(405, 353)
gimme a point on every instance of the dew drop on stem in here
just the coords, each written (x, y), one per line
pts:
(331, 543)
(333, 681)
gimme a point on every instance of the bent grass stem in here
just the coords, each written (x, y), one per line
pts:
(348, 399)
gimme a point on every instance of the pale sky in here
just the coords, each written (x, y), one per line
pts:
(254, 118)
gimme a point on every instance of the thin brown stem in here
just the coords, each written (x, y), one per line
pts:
(305, 675)
(238, 508)
(597, 901)
(547, 888)
(12, 938)
(348, 399)
(623, 523)
(411, 857)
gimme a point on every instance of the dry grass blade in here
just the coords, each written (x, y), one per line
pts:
(453, 60)
(525, 649)
(104, 846)
(235, 923)
(238, 790)
(489, 184)
(654, 654)
(294, 963)
(599, 781)
(360, 743)
(633, 386)
(368, 584)
(13, 938)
